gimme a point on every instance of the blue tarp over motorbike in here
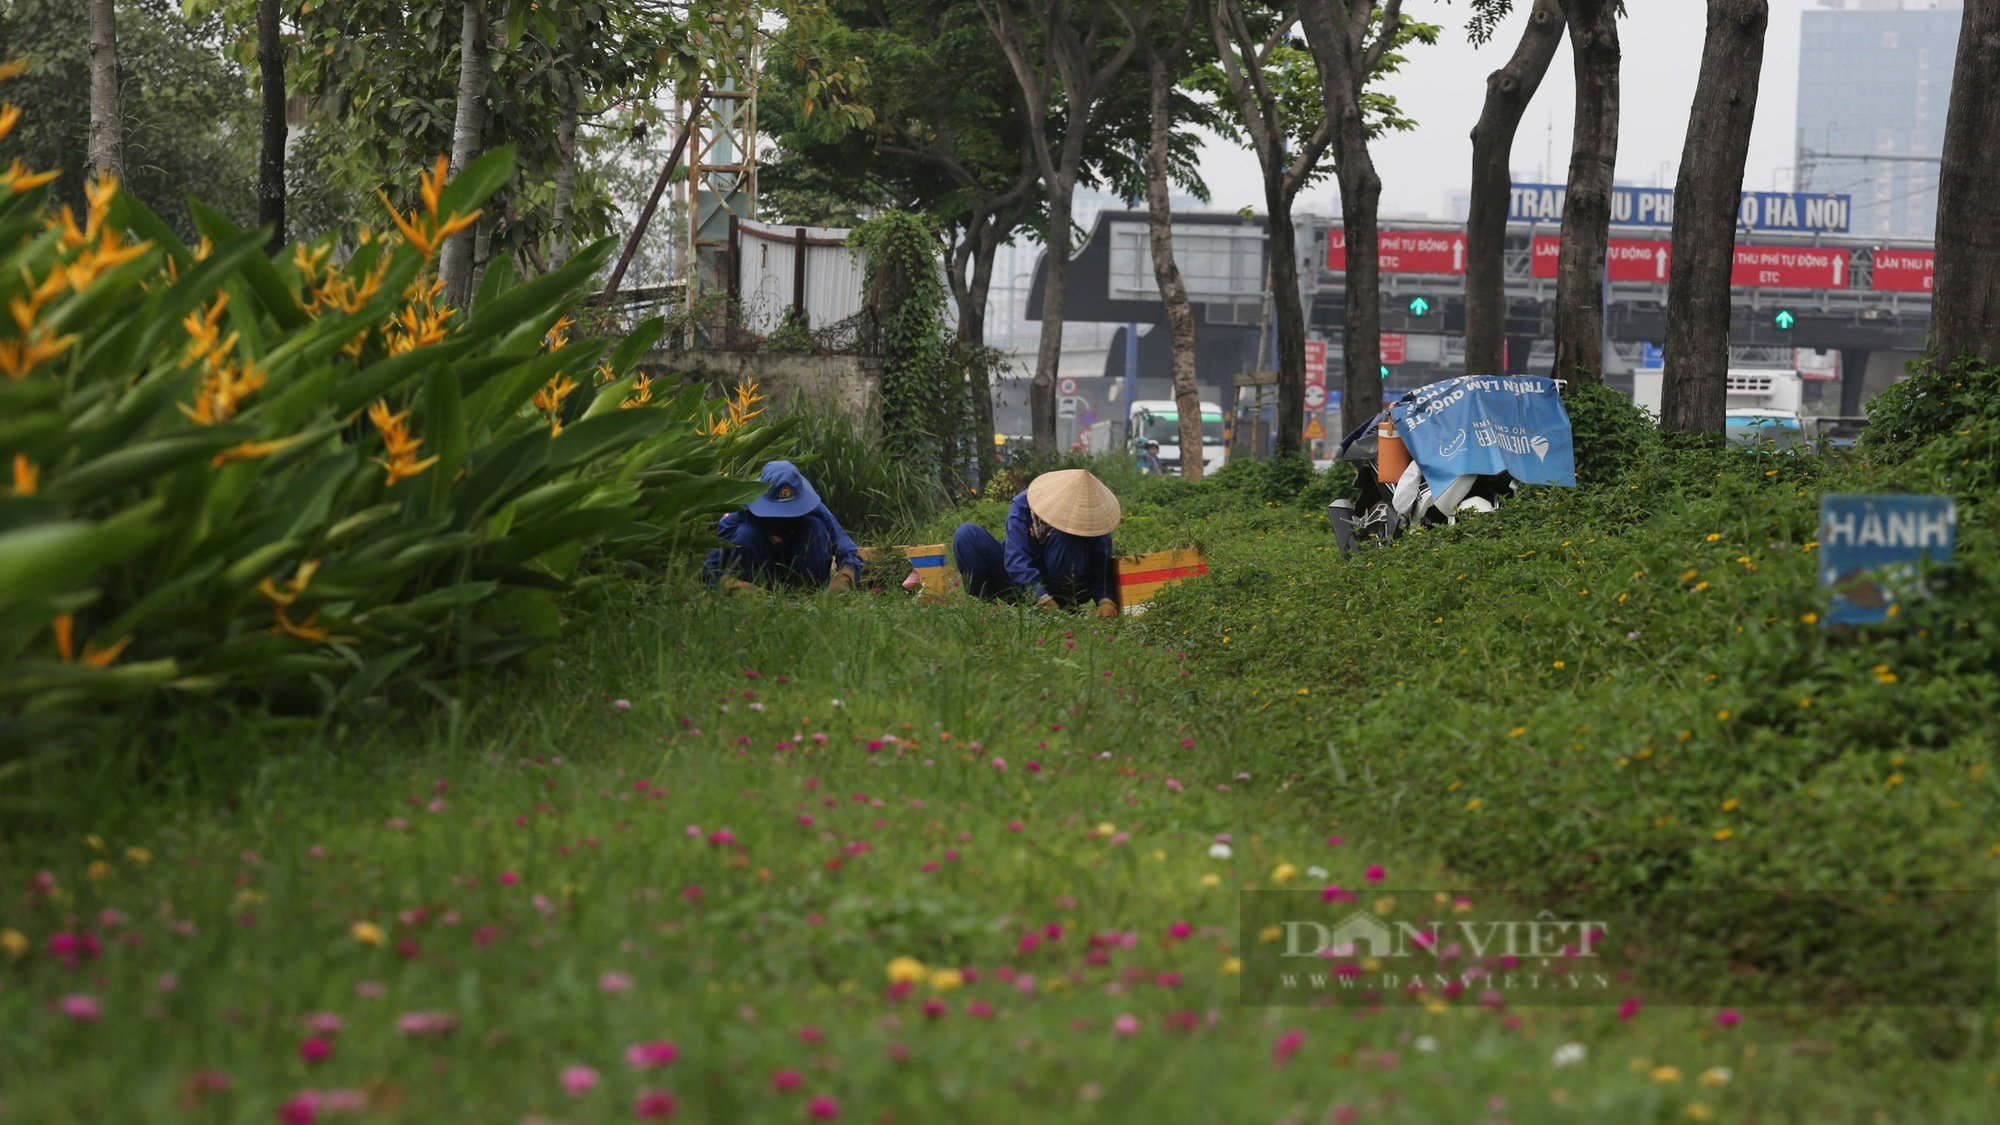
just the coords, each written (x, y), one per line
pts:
(1513, 424)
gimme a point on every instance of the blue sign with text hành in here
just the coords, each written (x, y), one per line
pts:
(1513, 424)
(1872, 549)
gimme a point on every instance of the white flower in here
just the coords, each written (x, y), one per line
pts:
(1315, 872)
(1219, 851)
(1569, 1054)
(1426, 1044)
(838, 703)
(1717, 1076)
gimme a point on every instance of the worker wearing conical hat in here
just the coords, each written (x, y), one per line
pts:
(1058, 548)
(786, 538)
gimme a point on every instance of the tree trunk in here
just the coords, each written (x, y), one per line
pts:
(1361, 341)
(1586, 226)
(985, 236)
(1288, 310)
(1167, 272)
(271, 157)
(1042, 390)
(467, 136)
(1508, 92)
(1965, 303)
(565, 183)
(1695, 382)
(107, 123)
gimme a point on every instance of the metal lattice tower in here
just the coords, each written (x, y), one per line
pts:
(721, 186)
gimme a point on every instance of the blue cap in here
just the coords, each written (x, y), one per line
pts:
(788, 496)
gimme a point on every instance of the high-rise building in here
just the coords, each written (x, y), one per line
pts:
(1874, 83)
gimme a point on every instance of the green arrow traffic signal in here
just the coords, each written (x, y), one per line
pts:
(1419, 306)
(1385, 371)
(1784, 319)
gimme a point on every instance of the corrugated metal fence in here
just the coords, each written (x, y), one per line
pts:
(811, 267)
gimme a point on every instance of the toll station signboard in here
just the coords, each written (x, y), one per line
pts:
(1406, 251)
(1902, 271)
(1625, 259)
(1790, 267)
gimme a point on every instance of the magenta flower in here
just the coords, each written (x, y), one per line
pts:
(316, 1050)
(1375, 873)
(752, 674)
(979, 1010)
(508, 878)
(1180, 931)
(82, 1009)
(823, 1108)
(785, 1081)
(811, 1035)
(1014, 826)
(1629, 1009)
(302, 1109)
(721, 838)
(1187, 743)
(934, 1008)
(578, 1080)
(1126, 1025)
(649, 1056)
(1335, 841)
(1288, 1045)
(655, 1105)
(1728, 1017)
(426, 1025)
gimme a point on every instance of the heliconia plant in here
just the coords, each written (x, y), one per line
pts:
(305, 478)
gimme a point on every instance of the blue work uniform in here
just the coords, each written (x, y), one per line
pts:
(796, 551)
(1074, 569)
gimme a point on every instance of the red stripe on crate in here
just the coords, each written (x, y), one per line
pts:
(1171, 572)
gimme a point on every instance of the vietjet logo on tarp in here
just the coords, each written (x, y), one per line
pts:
(784, 492)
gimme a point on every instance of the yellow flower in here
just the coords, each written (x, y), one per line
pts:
(1666, 1074)
(94, 842)
(424, 230)
(908, 969)
(26, 476)
(397, 441)
(99, 871)
(367, 933)
(1559, 664)
(1106, 829)
(1232, 966)
(1517, 732)
(140, 856)
(14, 942)
(1723, 716)
(1724, 833)
(1716, 1076)
(1270, 934)
(1730, 805)
(944, 980)
(1700, 1111)
(1473, 804)
(1714, 535)
(1211, 880)
(1895, 779)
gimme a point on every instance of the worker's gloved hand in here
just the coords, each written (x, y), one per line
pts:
(843, 581)
(1107, 608)
(1046, 601)
(738, 586)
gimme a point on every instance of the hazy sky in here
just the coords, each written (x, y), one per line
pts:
(1444, 86)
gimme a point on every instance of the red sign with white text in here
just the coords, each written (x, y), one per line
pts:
(1395, 348)
(1405, 251)
(1902, 271)
(1625, 259)
(1789, 267)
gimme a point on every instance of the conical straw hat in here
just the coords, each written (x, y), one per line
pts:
(1075, 501)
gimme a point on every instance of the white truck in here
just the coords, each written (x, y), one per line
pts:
(1763, 405)
(1160, 420)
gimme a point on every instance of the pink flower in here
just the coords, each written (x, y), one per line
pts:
(1173, 785)
(1025, 984)
(752, 674)
(1629, 1009)
(721, 838)
(1187, 743)
(648, 1056)
(1288, 1045)
(1343, 1114)
(1728, 1017)
(316, 1049)
(426, 1025)
(1126, 1025)
(622, 704)
(1180, 931)
(785, 1080)
(1375, 873)
(317, 851)
(823, 1108)
(1335, 841)
(344, 1101)
(655, 1105)
(1000, 764)
(934, 1008)
(1013, 826)
(370, 990)
(303, 1109)
(508, 878)
(82, 1009)
(614, 984)
(578, 1080)
(979, 1010)
(324, 1023)
(1333, 893)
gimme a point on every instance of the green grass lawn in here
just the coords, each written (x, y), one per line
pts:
(757, 859)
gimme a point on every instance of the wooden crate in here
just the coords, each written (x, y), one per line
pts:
(1142, 576)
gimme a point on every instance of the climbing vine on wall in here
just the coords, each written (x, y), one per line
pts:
(926, 410)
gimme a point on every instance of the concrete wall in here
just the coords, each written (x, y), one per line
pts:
(849, 384)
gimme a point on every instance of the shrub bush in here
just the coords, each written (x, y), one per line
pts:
(1612, 436)
(301, 478)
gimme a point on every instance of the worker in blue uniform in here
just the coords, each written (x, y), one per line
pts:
(1058, 547)
(786, 538)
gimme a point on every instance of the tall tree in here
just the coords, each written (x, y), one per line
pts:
(1586, 225)
(271, 156)
(1965, 304)
(1165, 63)
(107, 125)
(1508, 92)
(1064, 55)
(1351, 41)
(468, 140)
(1695, 382)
